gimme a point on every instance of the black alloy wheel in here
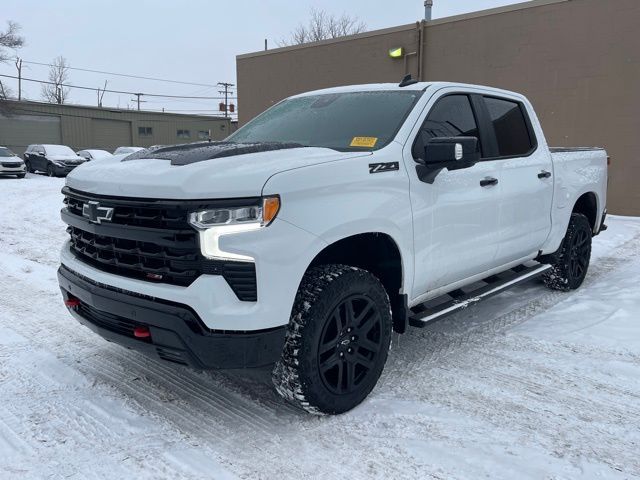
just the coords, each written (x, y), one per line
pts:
(579, 254)
(350, 341)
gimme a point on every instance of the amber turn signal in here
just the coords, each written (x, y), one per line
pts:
(270, 208)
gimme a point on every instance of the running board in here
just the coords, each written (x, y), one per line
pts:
(456, 300)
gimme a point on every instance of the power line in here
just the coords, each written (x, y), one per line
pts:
(93, 89)
(140, 77)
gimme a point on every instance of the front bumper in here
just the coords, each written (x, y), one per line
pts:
(12, 170)
(63, 170)
(177, 334)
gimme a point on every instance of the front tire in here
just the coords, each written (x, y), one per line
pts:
(50, 171)
(337, 340)
(27, 164)
(572, 261)
(22, 175)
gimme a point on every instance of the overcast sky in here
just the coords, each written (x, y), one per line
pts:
(193, 41)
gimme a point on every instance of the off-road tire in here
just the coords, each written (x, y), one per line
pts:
(572, 260)
(329, 327)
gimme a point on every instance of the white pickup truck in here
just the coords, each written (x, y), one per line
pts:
(324, 224)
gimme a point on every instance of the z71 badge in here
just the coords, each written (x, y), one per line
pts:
(383, 167)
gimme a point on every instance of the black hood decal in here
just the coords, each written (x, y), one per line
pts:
(199, 152)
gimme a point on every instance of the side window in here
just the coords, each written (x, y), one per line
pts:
(510, 125)
(451, 116)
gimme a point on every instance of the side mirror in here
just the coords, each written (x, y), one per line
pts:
(452, 153)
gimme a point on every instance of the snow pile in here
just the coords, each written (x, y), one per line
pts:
(530, 384)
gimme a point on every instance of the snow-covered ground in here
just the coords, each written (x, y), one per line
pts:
(530, 384)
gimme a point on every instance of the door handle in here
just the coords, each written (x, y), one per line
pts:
(544, 174)
(488, 182)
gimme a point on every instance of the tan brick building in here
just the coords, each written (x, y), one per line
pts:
(577, 60)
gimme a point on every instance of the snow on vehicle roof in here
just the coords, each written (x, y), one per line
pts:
(372, 87)
(99, 152)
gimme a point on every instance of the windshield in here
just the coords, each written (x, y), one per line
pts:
(59, 150)
(341, 121)
(5, 152)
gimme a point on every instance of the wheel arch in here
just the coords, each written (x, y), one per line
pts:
(379, 254)
(587, 204)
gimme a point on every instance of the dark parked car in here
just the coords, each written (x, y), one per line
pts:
(55, 160)
(11, 164)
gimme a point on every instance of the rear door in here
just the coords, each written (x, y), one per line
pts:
(456, 227)
(526, 176)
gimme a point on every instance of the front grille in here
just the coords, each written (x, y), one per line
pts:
(149, 240)
(11, 164)
(170, 217)
(138, 259)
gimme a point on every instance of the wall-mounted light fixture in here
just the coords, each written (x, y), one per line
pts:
(396, 52)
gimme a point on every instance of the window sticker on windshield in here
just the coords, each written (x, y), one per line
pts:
(367, 142)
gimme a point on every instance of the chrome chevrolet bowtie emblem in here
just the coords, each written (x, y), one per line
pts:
(95, 213)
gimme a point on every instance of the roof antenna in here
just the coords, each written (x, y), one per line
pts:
(406, 81)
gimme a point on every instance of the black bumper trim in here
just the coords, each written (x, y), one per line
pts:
(177, 333)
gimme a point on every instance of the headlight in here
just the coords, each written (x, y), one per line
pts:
(216, 222)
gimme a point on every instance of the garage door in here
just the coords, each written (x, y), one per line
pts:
(110, 134)
(19, 131)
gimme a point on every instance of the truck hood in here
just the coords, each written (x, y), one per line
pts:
(227, 177)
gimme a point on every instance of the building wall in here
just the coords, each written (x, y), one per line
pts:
(81, 127)
(577, 60)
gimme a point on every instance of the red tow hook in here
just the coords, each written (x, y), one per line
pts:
(72, 302)
(141, 332)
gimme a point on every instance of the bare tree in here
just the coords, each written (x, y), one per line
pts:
(322, 26)
(9, 39)
(55, 91)
(5, 92)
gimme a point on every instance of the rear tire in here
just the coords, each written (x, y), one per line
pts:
(337, 340)
(572, 261)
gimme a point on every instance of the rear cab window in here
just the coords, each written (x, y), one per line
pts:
(511, 124)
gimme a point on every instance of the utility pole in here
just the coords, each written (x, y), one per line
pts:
(19, 68)
(138, 95)
(101, 95)
(226, 92)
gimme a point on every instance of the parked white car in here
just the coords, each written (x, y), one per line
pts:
(11, 164)
(93, 154)
(122, 150)
(321, 225)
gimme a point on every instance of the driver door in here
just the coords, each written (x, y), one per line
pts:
(37, 158)
(455, 219)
